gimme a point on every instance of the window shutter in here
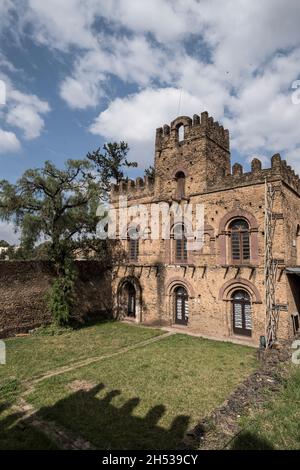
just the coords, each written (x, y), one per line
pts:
(246, 245)
(179, 308)
(133, 249)
(238, 315)
(248, 322)
(235, 245)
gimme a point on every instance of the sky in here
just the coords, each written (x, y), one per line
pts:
(79, 73)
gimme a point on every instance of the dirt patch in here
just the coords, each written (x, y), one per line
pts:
(217, 430)
(77, 385)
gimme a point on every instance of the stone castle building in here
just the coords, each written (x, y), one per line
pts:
(217, 291)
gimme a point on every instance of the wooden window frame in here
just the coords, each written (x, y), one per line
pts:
(183, 258)
(133, 249)
(133, 244)
(183, 298)
(243, 331)
(241, 243)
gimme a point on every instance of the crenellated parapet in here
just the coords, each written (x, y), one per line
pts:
(289, 176)
(278, 170)
(199, 126)
(133, 189)
(198, 148)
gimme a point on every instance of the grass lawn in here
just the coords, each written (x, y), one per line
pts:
(277, 426)
(144, 398)
(33, 355)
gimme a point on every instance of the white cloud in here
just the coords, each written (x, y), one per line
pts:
(236, 59)
(166, 20)
(26, 119)
(7, 233)
(24, 111)
(80, 94)
(132, 60)
(293, 158)
(8, 142)
(136, 117)
(264, 115)
(62, 24)
(6, 8)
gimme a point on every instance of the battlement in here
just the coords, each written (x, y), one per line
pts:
(279, 169)
(138, 188)
(204, 126)
(198, 147)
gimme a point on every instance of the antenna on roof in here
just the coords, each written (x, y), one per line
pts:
(179, 103)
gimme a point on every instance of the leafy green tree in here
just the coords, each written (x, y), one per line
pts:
(58, 206)
(150, 172)
(54, 205)
(55, 211)
(111, 163)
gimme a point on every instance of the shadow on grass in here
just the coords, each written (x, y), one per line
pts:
(19, 436)
(106, 426)
(52, 329)
(249, 441)
(92, 320)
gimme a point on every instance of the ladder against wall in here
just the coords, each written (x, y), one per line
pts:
(271, 265)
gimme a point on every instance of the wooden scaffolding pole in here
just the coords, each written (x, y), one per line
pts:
(270, 267)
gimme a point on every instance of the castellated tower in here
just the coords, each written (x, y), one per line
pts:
(218, 289)
(195, 149)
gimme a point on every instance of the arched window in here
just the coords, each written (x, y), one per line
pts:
(180, 184)
(181, 133)
(181, 305)
(240, 241)
(133, 244)
(241, 313)
(180, 243)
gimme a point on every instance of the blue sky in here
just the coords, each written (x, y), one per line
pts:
(79, 73)
(64, 134)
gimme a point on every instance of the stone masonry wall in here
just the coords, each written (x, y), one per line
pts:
(23, 289)
(210, 275)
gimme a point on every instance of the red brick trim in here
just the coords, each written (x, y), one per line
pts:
(238, 213)
(176, 281)
(222, 238)
(233, 284)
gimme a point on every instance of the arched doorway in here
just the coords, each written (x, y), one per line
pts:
(241, 313)
(129, 299)
(181, 305)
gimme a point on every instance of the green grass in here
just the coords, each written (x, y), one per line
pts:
(149, 397)
(30, 356)
(277, 425)
(144, 398)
